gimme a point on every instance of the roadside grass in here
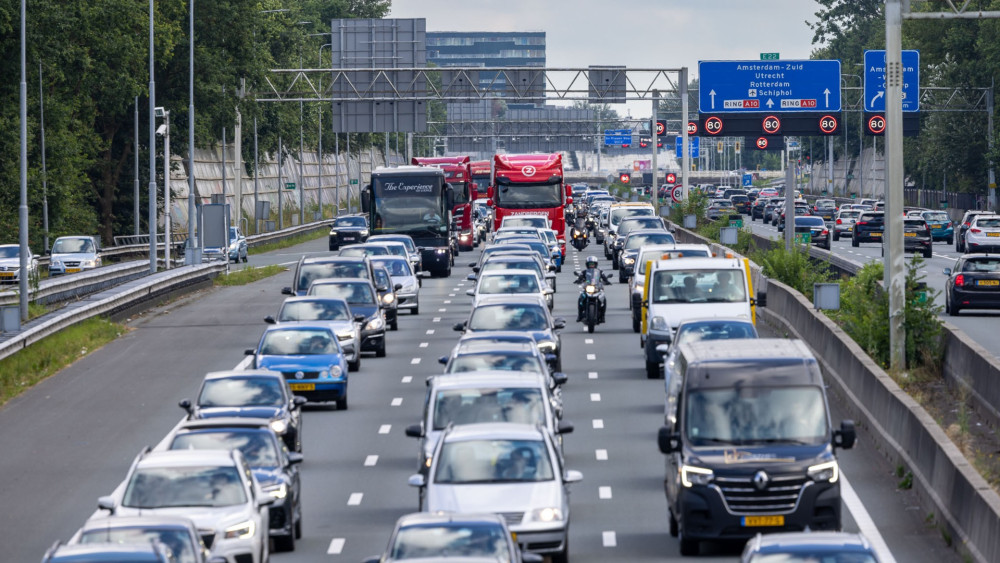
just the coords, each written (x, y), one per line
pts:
(248, 275)
(291, 241)
(42, 359)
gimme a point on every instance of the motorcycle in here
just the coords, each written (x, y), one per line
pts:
(592, 294)
(580, 238)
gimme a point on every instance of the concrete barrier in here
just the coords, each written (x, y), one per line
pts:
(970, 366)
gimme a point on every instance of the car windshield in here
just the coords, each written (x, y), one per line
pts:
(509, 317)
(698, 286)
(9, 251)
(406, 241)
(165, 487)
(849, 214)
(495, 265)
(810, 221)
(745, 414)
(493, 461)
(315, 310)
(326, 270)
(937, 217)
(256, 445)
(508, 283)
(353, 293)
(350, 222)
(489, 361)
(397, 267)
(72, 246)
(991, 223)
(982, 265)
(535, 222)
(358, 250)
(234, 233)
(644, 223)
(433, 541)
(825, 203)
(177, 540)
(813, 555)
(298, 342)
(620, 213)
(242, 392)
(382, 278)
(469, 406)
(713, 330)
(638, 240)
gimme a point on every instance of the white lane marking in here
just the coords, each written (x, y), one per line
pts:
(424, 344)
(396, 401)
(447, 302)
(602, 455)
(436, 320)
(588, 341)
(245, 364)
(406, 379)
(598, 423)
(336, 546)
(384, 429)
(414, 361)
(591, 356)
(441, 311)
(287, 263)
(592, 375)
(595, 397)
(371, 460)
(604, 492)
(451, 295)
(864, 520)
(609, 539)
(355, 499)
(431, 331)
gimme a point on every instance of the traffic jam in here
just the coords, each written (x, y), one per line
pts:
(750, 449)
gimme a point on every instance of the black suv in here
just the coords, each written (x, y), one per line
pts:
(349, 229)
(311, 268)
(916, 237)
(868, 228)
(741, 203)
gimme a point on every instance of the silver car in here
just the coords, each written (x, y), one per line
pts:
(401, 273)
(74, 254)
(214, 488)
(330, 311)
(511, 469)
(465, 538)
(177, 533)
(10, 263)
(506, 282)
(412, 252)
(843, 222)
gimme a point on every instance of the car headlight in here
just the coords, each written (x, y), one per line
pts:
(364, 232)
(628, 261)
(375, 324)
(279, 491)
(87, 264)
(828, 472)
(548, 514)
(691, 475)
(388, 298)
(547, 346)
(57, 264)
(345, 335)
(335, 371)
(241, 531)
(442, 250)
(279, 426)
(658, 323)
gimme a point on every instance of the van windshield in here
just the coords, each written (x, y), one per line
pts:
(698, 286)
(744, 415)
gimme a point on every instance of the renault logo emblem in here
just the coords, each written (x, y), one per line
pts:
(760, 480)
(300, 375)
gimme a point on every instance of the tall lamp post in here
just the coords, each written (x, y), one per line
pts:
(164, 130)
(22, 274)
(152, 151)
(191, 254)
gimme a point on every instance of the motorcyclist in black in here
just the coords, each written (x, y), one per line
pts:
(592, 275)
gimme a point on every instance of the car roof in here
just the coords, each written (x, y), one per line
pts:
(698, 263)
(494, 431)
(187, 458)
(145, 520)
(781, 542)
(511, 347)
(244, 374)
(714, 320)
(299, 325)
(224, 422)
(329, 259)
(496, 335)
(423, 518)
(334, 281)
(107, 552)
(508, 299)
(513, 257)
(770, 351)
(490, 378)
(313, 298)
(510, 272)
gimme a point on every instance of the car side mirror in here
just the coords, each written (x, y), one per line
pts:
(415, 431)
(472, 264)
(559, 378)
(947, 271)
(287, 291)
(381, 288)
(459, 327)
(397, 287)
(186, 405)
(443, 360)
(106, 503)
(417, 480)
(551, 267)
(295, 458)
(359, 318)
(470, 292)
(845, 437)
(564, 427)
(668, 441)
(573, 476)
(217, 559)
(298, 401)
(559, 322)
(249, 352)
(265, 500)
(471, 277)
(270, 320)
(662, 349)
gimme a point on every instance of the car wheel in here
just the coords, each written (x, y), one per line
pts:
(688, 546)
(836, 235)
(355, 365)
(298, 527)
(854, 242)
(562, 556)
(246, 257)
(828, 244)
(285, 543)
(950, 240)
(954, 310)
(652, 370)
(621, 276)
(673, 523)
(380, 353)
(394, 325)
(752, 218)
(636, 324)
(342, 403)
(415, 310)
(928, 253)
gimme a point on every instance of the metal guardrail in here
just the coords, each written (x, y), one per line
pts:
(164, 282)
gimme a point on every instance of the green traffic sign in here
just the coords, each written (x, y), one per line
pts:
(289, 185)
(354, 182)
(769, 56)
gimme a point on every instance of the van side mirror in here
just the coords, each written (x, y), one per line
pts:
(668, 441)
(366, 199)
(415, 431)
(249, 352)
(844, 438)
(106, 503)
(294, 458)
(762, 299)
(458, 327)
(564, 427)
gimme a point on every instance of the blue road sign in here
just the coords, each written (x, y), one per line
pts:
(694, 146)
(747, 180)
(875, 80)
(768, 86)
(617, 136)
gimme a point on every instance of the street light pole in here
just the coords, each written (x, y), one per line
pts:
(45, 179)
(166, 190)
(152, 150)
(135, 187)
(192, 244)
(894, 279)
(22, 274)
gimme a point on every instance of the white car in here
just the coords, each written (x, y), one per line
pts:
(10, 263)
(506, 282)
(214, 488)
(511, 469)
(983, 234)
(74, 254)
(412, 252)
(400, 272)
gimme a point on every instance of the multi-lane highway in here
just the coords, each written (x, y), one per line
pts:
(71, 439)
(980, 325)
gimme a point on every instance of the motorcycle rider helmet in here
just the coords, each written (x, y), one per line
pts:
(592, 261)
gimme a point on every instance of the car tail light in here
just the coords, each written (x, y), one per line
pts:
(977, 231)
(861, 223)
(840, 221)
(960, 279)
(825, 232)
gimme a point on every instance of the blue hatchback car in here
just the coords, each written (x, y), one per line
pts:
(942, 227)
(309, 357)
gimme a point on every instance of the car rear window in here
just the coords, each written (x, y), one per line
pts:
(991, 223)
(982, 265)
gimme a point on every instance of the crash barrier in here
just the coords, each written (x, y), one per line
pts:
(153, 286)
(902, 429)
(54, 290)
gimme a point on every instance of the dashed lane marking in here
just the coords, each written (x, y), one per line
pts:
(355, 499)
(588, 341)
(424, 344)
(414, 361)
(430, 331)
(604, 493)
(336, 546)
(447, 302)
(436, 320)
(406, 379)
(591, 356)
(602, 455)
(442, 311)
(609, 539)
(598, 423)
(384, 429)
(396, 401)
(592, 375)
(595, 397)
(371, 460)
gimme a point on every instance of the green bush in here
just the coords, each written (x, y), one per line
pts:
(695, 204)
(792, 268)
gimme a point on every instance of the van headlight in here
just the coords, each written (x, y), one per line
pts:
(279, 491)
(279, 426)
(658, 323)
(547, 514)
(375, 324)
(828, 472)
(388, 298)
(692, 475)
(241, 531)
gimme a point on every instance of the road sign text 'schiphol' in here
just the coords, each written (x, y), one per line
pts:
(768, 86)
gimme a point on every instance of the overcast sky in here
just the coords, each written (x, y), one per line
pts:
(580, 33)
